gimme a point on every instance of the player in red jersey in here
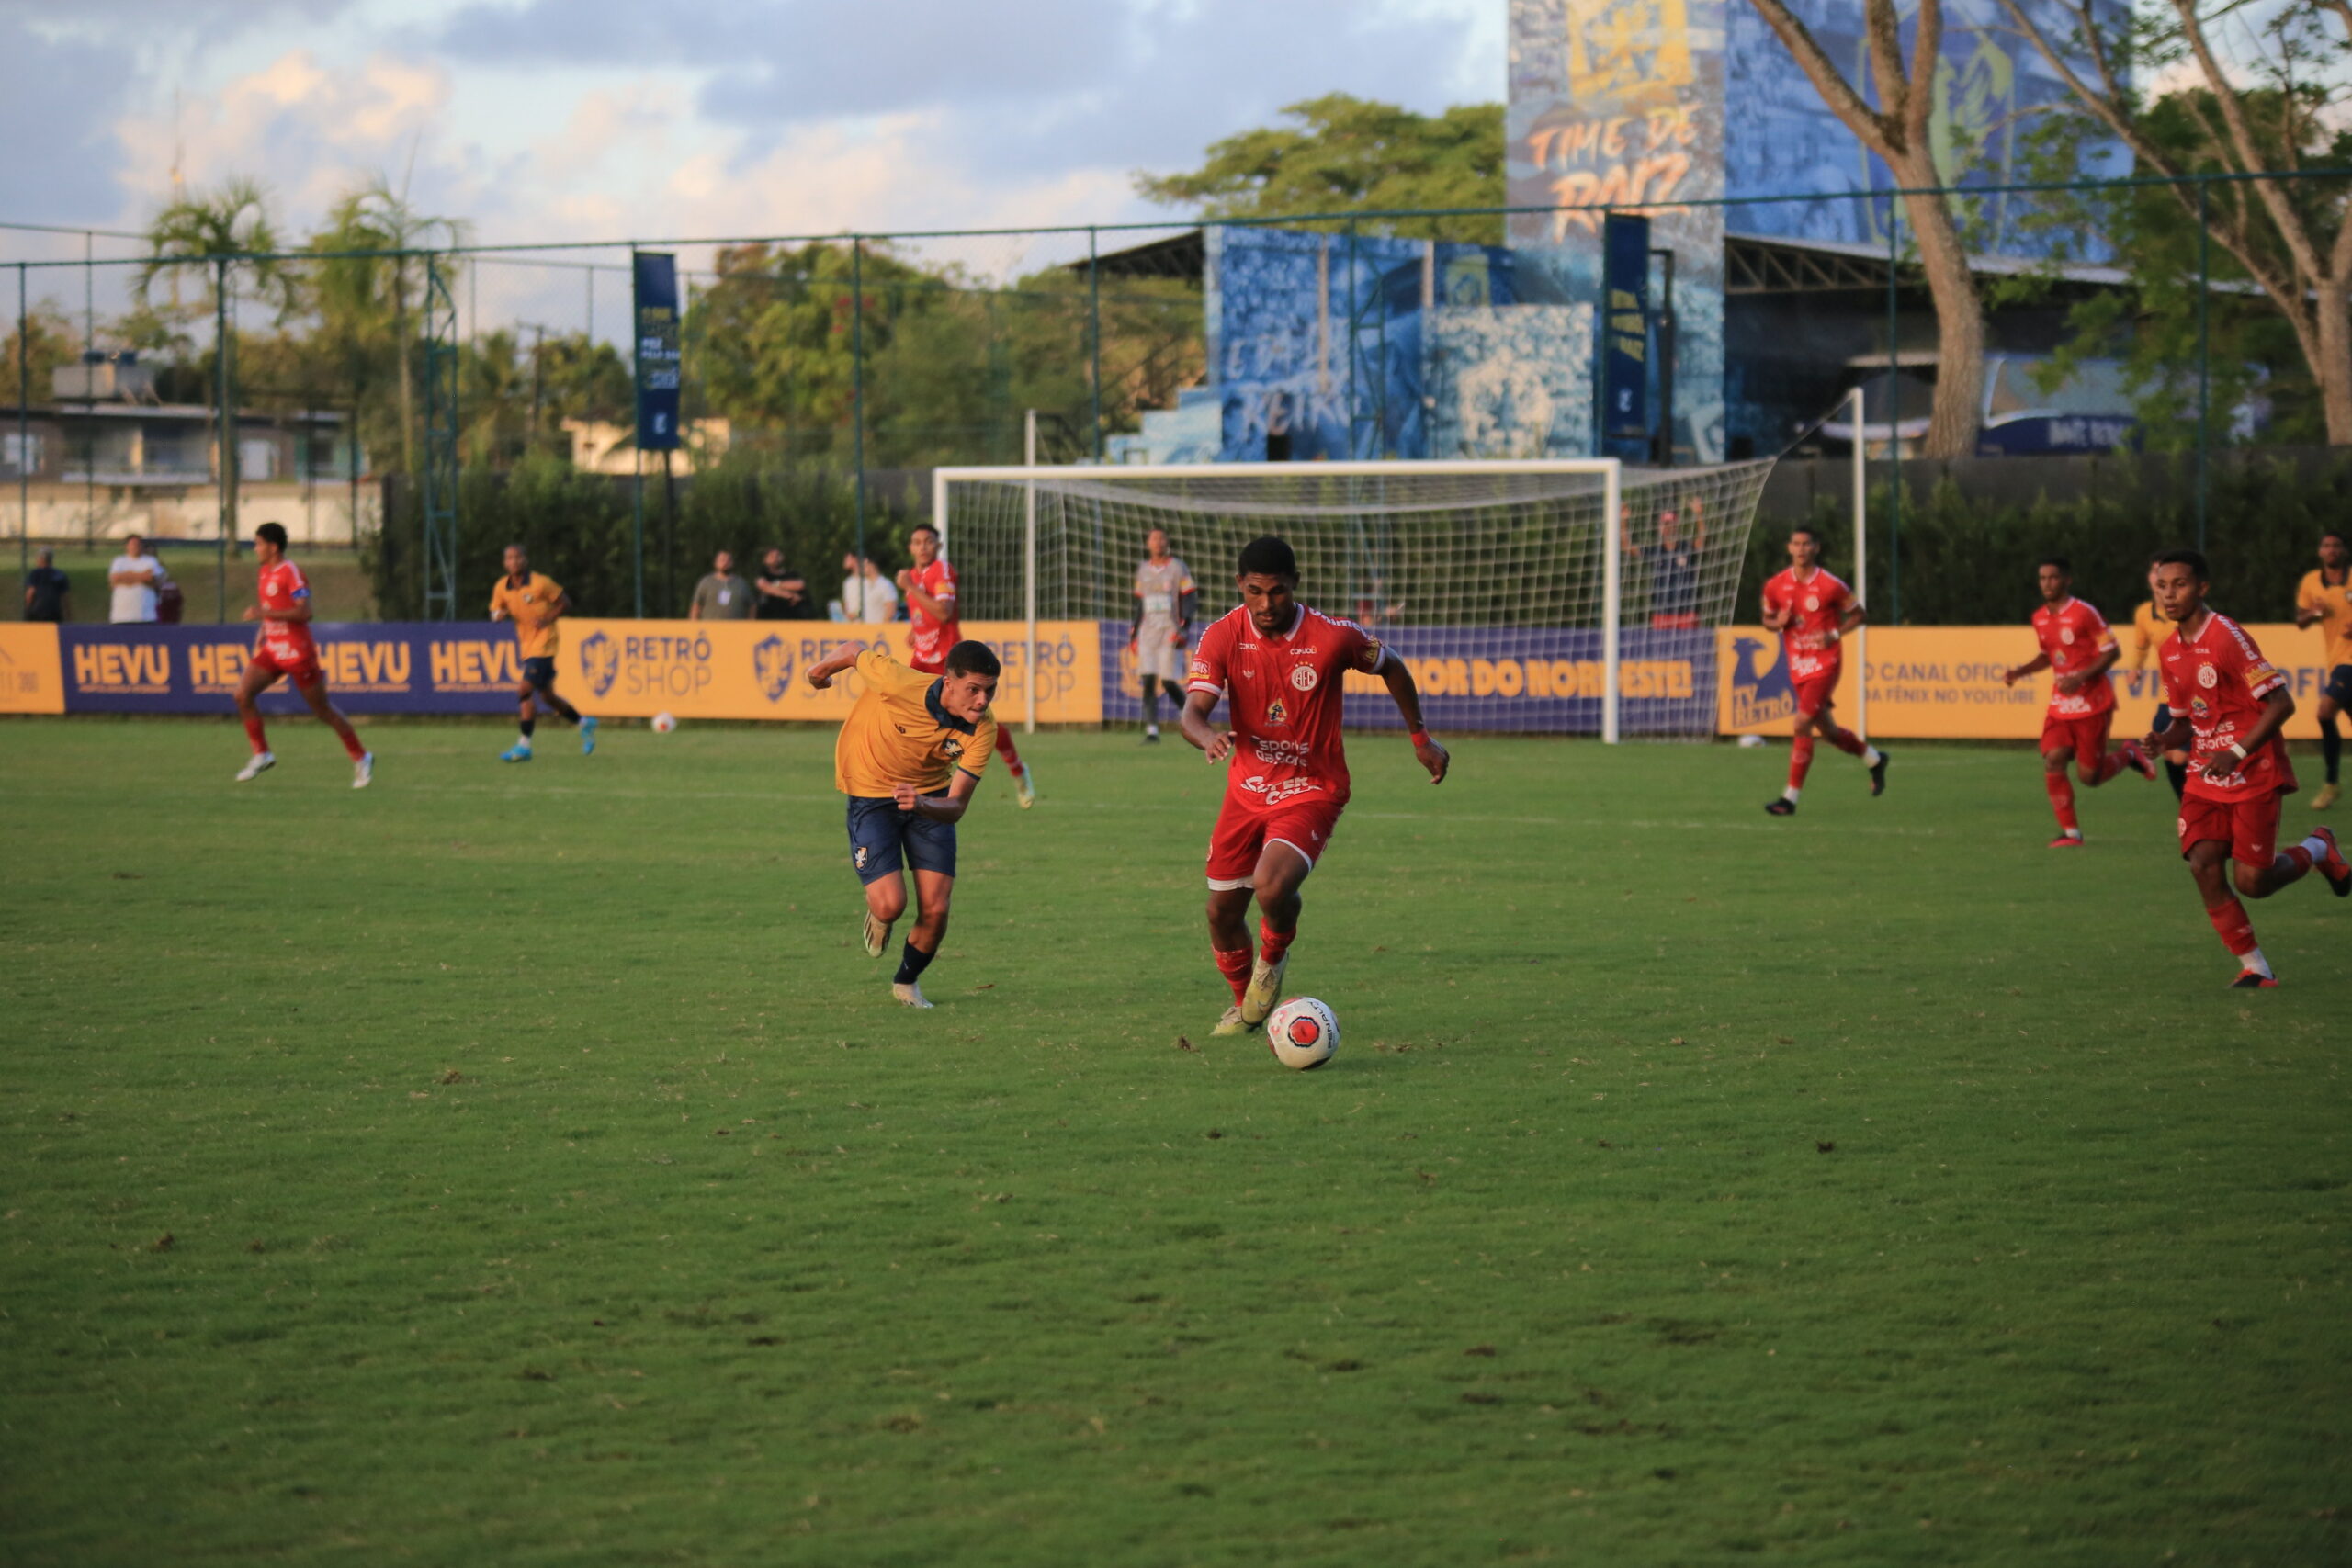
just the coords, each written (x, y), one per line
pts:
(1813, 611)
(1280, 665)
(935, 626)
(2077, 643)
(284, 649)
(2225, 693)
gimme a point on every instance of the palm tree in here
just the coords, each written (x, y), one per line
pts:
(372, 269)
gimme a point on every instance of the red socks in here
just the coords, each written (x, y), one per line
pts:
(2109, 766)
(2062, 800)
(350, 743)
(1272, 943)
(2298, 857)
(254, 734)
(2231, 926)
(1234, 967)
(1004, 749)
(1846, 740)
(1800, 759)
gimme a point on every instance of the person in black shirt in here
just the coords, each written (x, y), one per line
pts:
(1674, 570)
(783, 593)
(48, 592)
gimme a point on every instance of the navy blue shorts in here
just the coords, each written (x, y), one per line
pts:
(2339, 685)
(538, 673)
(879, 833)
(2164, 719)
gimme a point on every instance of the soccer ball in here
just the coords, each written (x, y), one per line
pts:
(663, 722)
(1302, 1034)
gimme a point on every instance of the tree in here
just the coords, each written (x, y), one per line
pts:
(1898, 134)
(2279, 111)
(1348, 154)
(370, 272)
(49, 340)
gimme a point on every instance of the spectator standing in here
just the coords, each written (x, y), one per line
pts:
(722, 595)
(868, 596)
(783, 593)
(170, 603)
(48, 592)
(133, 575)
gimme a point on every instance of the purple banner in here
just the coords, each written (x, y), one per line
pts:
(392, 666)
(1534, 680)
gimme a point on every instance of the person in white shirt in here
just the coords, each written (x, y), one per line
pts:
(868, 596)
(134, 575)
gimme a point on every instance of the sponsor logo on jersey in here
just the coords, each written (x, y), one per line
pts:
(1282, 754)
(772, 663)
(1372, 653)
(1302, 677)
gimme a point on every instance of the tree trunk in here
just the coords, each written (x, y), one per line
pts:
(1960, 316)
(2332, 366)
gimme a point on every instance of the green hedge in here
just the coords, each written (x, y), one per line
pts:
(1969, 562)
(579, 528)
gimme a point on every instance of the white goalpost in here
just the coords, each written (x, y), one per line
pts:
(1547, 595)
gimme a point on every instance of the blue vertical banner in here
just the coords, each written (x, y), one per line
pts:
(1624, 328)
(656, 298)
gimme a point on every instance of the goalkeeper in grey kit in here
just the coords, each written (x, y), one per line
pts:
(1162, 628)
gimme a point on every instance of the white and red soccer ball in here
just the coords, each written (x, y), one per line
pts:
(663, 722)
(1302, 1034)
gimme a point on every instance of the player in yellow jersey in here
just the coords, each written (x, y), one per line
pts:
(2149, 630)
(2325, 600)
(535, 602)
(909, 757)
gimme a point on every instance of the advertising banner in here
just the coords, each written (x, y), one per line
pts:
(1944, 682)
(656, 298)
(391, 667)
(751, 669)
(1501, 679)
(1624, 328)
(30, 680)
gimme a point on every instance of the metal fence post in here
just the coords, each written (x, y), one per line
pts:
(1094, 342)
(2204, 367)
(226, 421)
(857, 403)
(24, 430)
(1894, 423)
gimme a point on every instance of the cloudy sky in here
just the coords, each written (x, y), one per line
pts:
(542, 119)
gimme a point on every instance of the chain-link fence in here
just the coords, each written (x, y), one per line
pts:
(821, 377)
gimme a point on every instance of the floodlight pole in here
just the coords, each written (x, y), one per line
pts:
(1029, 570)
(24, 433)
(1861, 574)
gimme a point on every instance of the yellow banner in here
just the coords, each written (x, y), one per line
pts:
(32, 679)
(752, 669)
(1944, 682)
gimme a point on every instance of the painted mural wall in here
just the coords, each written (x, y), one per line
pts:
(1323, 345)
(1781, 139)
(1617, 105)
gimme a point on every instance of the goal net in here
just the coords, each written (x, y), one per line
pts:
(1517, 604)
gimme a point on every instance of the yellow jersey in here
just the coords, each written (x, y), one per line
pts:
(2148, 633)
(532, 608)
(897, 734)
(2333, 603)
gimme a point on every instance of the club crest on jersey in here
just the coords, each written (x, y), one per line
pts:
(1303, 677)
(1276, 713)
(1813, 602)
(951, 747)
(2066, 634)
(2208, 677)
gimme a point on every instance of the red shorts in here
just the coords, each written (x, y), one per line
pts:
(2086, 737)
(2250, 827)
(302, 671)
(1815, 694)
(1244, 829)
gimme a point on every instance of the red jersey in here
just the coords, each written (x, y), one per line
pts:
(928, 638)
(1282, 696)
(2074, 636)
(283, 587)
(1820, 603)
(2219, 680)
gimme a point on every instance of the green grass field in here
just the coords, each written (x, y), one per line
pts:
(522, 1166)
